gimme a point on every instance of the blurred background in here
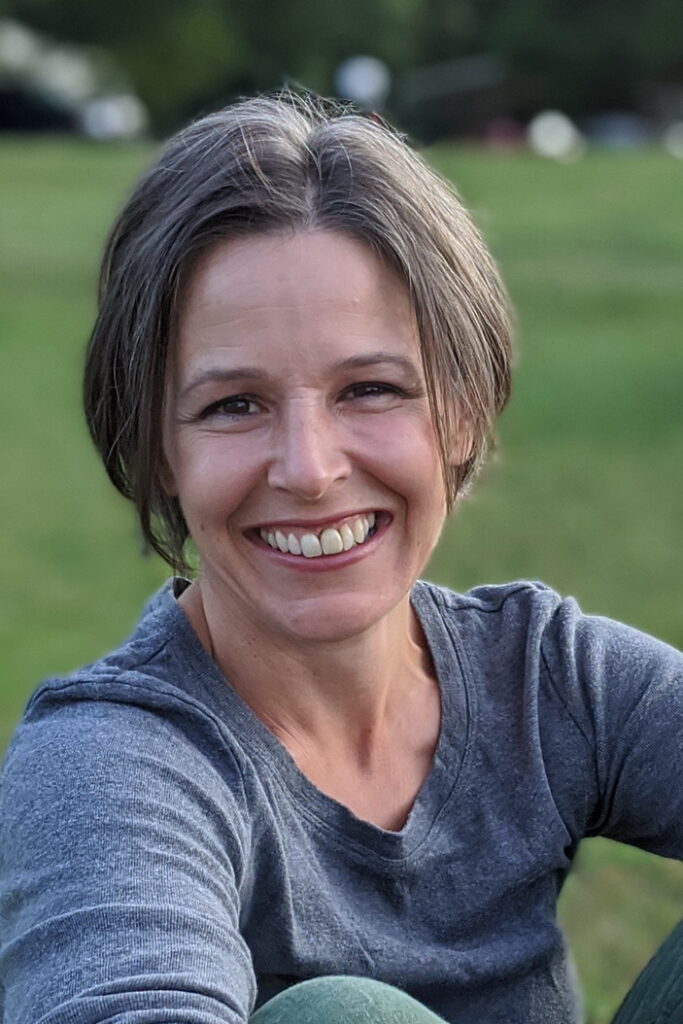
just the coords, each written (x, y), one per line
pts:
(561, 124)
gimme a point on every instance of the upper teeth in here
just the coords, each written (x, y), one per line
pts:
(329, 541)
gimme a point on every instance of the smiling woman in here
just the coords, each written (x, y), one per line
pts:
(311, 787)
(277, 168)
(330, 425)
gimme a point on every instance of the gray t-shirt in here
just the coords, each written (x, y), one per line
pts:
(163, 860)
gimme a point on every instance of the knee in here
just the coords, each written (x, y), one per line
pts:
(342, 999)
(348, 991)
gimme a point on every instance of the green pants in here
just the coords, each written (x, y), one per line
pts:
(343, 1000)
(656, 998)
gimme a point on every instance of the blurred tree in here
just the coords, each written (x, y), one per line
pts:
(173, 50)
(182, 55)
(448, 28)
(582, 55)
(185, 55)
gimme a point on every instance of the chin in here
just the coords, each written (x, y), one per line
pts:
(335, 619)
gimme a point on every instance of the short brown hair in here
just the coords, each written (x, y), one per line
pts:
(276, 163)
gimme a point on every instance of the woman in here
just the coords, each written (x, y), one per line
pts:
(306, 766)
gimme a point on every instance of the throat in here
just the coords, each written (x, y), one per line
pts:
(377, 778)
(383, 797)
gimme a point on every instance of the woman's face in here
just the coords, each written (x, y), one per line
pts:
(297, 418)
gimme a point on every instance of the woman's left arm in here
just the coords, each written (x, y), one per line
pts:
(625, 692)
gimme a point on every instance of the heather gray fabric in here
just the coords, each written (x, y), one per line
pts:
(163, 861)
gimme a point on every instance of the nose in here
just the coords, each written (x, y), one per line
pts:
(308, 456)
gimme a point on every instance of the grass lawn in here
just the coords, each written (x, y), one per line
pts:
(586, 492)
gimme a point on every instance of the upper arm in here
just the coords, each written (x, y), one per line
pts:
(119, 868)
(624, 690)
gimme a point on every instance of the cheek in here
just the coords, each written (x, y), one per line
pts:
(405, 458)
(213, 476)
(406, 447)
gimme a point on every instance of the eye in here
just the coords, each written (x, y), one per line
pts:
(372, 389)
(235, 407)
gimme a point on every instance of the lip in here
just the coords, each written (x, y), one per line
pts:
(324, 563)
(314, 525)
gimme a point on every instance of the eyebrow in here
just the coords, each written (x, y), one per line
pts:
(373, 359)
(224, 376)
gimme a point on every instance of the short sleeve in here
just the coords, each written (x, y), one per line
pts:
(120, 858)
(624, 691)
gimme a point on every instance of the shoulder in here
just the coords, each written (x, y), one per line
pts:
(521, 598)
(598, 670)
(538, 612)
(149, 708)
(506, 614)
(161, 665)
(533, 636)
(598, 704)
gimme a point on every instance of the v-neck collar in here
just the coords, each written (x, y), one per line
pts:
(259, 745)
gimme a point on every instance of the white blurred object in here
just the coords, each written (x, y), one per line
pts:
(66, 73)
(365, 80)
(18, 47)
(114, 117)
(552, 134)
(673, 139)
(83, 85)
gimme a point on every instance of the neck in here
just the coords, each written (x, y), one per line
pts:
(341, 695)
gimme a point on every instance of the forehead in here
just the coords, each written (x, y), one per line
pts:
(300, 285)
(289, 258)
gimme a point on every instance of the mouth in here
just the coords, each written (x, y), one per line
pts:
(327, 542)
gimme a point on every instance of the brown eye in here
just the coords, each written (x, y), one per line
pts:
(236, 407)
(371, 389)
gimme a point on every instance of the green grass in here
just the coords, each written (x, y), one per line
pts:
(586, 492)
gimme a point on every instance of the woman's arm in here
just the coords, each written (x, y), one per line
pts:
(120, 856)
(624, 690)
